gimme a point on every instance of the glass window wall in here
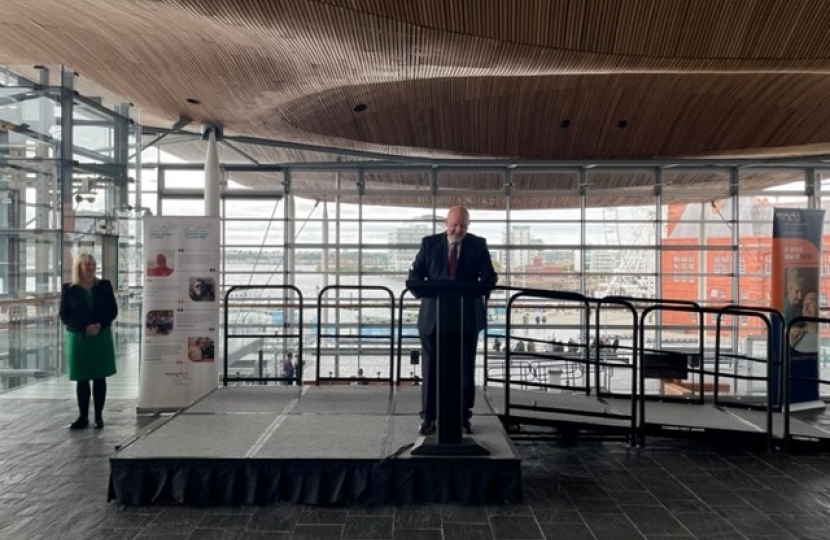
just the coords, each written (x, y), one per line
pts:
(62, 182)
(696, 234)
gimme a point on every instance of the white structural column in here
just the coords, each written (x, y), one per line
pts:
(212, 175)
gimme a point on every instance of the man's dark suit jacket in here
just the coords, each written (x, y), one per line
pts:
(75, 313)
(474, 264)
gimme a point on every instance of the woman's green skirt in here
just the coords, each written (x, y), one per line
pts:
(90, 357)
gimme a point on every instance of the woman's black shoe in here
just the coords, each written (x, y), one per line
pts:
(99, 423)
(80, 423)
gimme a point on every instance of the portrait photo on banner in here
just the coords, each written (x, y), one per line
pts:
(798, 283)
(160, 263)
(201, 289)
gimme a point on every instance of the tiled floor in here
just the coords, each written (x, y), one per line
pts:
(53, 485)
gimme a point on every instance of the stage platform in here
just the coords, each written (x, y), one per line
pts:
(672, 417)
(313, 445)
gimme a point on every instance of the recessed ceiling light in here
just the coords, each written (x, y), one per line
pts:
(194, 101)
(360, 107)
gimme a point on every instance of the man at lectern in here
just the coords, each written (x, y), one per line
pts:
(454, 254)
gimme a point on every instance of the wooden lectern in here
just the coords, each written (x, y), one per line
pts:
(450, 298)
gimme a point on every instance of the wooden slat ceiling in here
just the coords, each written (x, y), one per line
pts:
(513, 79)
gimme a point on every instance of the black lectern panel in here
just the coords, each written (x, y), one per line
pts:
(450, 297)
(434, 287)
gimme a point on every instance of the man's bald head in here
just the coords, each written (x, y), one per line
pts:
(457, 222)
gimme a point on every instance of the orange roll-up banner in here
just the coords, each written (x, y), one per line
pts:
(796, 266)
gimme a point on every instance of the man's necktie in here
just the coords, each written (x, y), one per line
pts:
(453, 259)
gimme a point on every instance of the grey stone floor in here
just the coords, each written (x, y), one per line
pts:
(53, 485)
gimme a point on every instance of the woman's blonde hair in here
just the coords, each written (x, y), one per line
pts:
(76, 265)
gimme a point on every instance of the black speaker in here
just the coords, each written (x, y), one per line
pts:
(414, 357)
(665, 365)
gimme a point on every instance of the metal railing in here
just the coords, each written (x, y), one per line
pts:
(286, 304)
(360, 304)
(579, 367)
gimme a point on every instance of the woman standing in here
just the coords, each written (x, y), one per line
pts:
(87, 309)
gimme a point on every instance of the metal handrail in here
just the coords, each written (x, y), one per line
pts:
(627, 304)
(675, 306)
(401, 302)
(390, 336)
(735, 310)
(299, 372)
(538, 293)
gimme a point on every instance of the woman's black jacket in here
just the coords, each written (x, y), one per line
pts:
(75, 312)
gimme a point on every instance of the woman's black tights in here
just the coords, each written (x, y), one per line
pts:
(99, 393)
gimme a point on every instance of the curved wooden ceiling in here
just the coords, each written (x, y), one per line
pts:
(582, 79)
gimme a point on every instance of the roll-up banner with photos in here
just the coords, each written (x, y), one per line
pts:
(796, 265)
(180, 319)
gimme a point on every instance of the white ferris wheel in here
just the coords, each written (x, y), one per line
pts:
(630, 239)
